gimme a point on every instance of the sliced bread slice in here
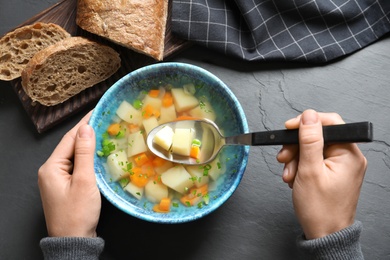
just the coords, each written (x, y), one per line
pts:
(19, 46)
(66, 68)
(136, 24)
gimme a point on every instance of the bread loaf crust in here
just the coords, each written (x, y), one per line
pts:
(66, 68)
(19, 46)
(136, 24)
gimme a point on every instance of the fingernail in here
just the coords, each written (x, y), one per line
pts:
(85, 131)
(309, 117)
(285, 173)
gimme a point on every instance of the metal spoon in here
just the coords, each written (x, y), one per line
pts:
(212, 139)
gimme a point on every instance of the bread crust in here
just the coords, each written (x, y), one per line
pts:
(66, 68)
(136, 24)
(19, 46)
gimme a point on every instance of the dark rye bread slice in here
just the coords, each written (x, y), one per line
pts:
(66, 68)
(19, 46)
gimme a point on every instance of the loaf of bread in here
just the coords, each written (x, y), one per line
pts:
(66, 68)
(19, 46)
(136, 24)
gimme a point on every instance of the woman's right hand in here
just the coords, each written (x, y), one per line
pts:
(325, 179)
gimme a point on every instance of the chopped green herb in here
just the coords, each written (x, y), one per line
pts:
(196, 142)
(175, 204)
(128, 167)
(137, 104)
(188, 203)
(206, 169)
(107, 147)
(124, 182)
(206, 198)
(105, 135)
(203, 106)
(121, 134)
(219, 165)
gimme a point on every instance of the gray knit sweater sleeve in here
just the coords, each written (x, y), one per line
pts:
(61, 248)
(341, 245)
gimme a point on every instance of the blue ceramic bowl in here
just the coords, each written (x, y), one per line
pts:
(231, 119)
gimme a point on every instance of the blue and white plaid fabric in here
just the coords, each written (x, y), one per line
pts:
(312, 31)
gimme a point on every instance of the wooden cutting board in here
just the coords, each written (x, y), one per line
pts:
(64, 14)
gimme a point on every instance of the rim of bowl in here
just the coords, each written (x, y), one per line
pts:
(137, 212)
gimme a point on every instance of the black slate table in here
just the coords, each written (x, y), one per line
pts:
(258, 221)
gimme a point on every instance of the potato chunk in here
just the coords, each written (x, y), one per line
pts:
(164, 138)
(117, 164)
(217, 168)
(177, 178)
(128, 113)
(155, 191)
(168, 114)
(136, 144)
(197, 173)
(181, 141)
(149, 124)
(134, 190)
(204, 110)
(182, 100)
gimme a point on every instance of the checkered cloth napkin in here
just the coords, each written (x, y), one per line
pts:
(296, 30)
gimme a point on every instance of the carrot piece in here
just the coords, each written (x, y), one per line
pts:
(195, 152)
(194, 196)
(157, 178)
(147, 112)
(165, 204)
(167, 99)
(114, 129)
(158, 161)
(133, 128)
(147, 169)
(156, 208)
(141, 159)
(163, 207)
(154, 92)
(186, 118)
(137, 177)
(156, 113)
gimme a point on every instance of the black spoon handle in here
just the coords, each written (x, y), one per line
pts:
(346, 133)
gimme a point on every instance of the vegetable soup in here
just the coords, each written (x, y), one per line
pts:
(163, 185)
